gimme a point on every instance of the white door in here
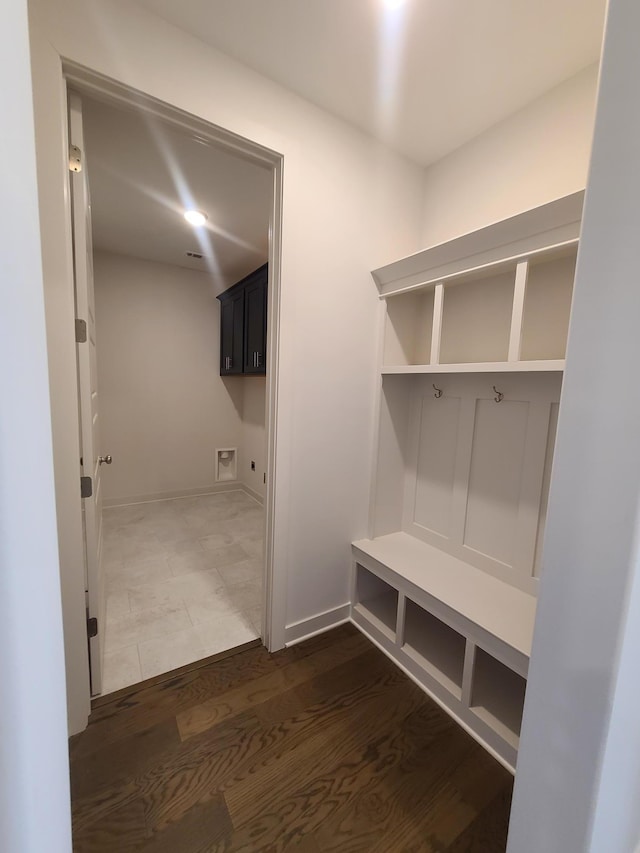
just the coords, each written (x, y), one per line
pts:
(87, 389)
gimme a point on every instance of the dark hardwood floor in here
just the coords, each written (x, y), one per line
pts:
(326, 746)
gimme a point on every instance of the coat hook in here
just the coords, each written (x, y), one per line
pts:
(499, 395)
(438, 391)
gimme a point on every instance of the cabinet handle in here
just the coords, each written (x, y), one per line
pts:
(258, 359)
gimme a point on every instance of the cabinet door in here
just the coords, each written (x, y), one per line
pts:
(255, 325)
(231, 331)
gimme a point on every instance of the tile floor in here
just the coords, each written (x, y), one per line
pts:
(184, 581)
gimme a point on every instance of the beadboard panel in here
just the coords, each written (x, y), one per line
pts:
(495, 478)
(436, 463)
(477, 470)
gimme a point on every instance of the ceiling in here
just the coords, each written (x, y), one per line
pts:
(142, 175)
(424, 77)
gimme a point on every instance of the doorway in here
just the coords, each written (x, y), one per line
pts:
(184, 521)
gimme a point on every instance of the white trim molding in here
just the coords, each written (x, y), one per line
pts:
(314, 625)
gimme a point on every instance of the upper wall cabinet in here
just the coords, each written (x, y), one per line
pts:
(243, 325)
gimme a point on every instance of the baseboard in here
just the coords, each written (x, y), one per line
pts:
(252, 494)
(179, 493)
(318, 624)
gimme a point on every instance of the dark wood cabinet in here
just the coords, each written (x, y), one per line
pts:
(255, 324)
(243, 325)
(232, 334)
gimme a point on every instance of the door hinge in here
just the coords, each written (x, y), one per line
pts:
(81, 331)
(86, 487)
(92, 627)
(75, 159)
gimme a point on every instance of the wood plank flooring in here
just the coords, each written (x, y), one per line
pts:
(323, 747)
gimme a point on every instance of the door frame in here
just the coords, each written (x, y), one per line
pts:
(88, 82)
(89, 422)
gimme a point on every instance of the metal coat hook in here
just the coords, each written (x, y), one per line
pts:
(438, 391)
(499, 395)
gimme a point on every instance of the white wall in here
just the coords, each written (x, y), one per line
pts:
(164, 406)
(34, 767)
(536, 155)
(52, 154)
(578, 783)
(253, 444)
(349, 206)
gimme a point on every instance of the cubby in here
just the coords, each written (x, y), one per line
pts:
(476, 318)
(508, 316)
(547, 305)
(475, 335)
(409, 322)
(438, 648)
(497, 696)
(377, 601)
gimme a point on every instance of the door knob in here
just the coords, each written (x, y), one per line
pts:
(105, 459)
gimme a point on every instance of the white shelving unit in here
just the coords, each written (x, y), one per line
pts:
(510, 316)
(471, 357)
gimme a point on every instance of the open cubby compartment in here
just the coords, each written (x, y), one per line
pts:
(476, 316)
(408, 329)
(436, 647)
(547, 304)
(377, 601)
(497, 696)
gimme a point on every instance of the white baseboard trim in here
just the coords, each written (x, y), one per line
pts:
(314, 625)
(252, 494)
(180, 493)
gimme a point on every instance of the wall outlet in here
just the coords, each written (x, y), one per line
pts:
(253, 465)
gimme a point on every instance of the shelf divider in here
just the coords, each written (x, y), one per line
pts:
(515, 336)
(436, 332)
(402, 609)
(467, 673)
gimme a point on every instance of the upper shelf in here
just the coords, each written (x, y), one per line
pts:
(512, 315)
(554, 223)
(539, 366)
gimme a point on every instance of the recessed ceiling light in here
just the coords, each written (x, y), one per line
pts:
(195, 217)
(393, 4)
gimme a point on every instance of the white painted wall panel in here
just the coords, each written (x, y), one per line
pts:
(34, 763)
(495, 478)
(391, 455)
(436, 468)
(475, 481)
(579, 763)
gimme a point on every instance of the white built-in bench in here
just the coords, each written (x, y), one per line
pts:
(462, 634)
